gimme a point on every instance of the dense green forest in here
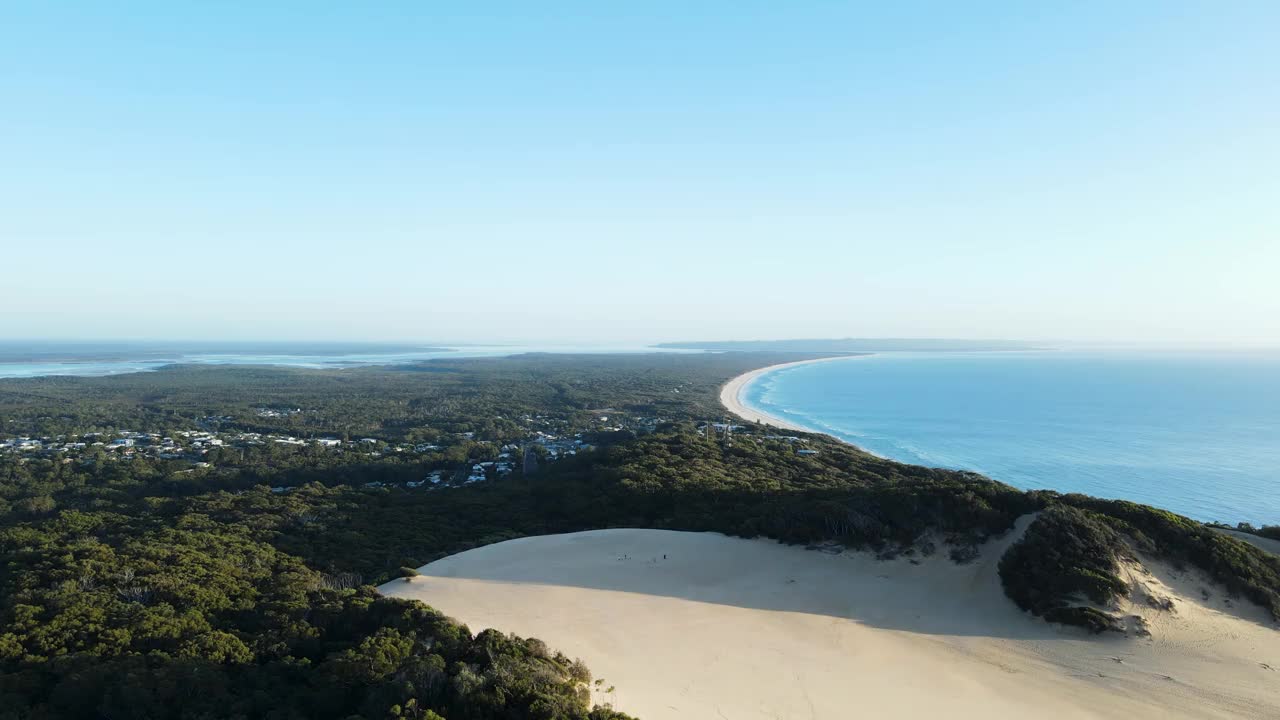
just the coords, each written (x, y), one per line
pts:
(228, 574)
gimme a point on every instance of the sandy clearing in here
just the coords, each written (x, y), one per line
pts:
(1262, 543)
(731, 394)
(745, 629)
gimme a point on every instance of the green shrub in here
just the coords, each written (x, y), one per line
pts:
(1066, 557)
(1240, 567)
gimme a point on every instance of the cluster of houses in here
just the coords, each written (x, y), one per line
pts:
(557, 446)
(180, 444)
(798, 442)
(125, 443)
(276, 413)
(26, 444)
(482, 470)
(548, 439)
(434, 479)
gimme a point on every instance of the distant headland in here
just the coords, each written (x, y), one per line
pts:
(855, 345)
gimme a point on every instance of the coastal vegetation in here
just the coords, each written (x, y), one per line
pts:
(1067, 555)
(1242, 569)
(244, 569)
(1271, 532)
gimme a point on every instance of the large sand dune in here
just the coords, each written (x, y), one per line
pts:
(699, 625)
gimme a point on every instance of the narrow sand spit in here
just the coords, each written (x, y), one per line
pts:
(699, 625)
(731, 394)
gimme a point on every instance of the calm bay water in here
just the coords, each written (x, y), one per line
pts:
(40, 359)
(1196, 434)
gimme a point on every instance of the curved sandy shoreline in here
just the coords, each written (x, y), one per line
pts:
(731, 393)
(700, 625)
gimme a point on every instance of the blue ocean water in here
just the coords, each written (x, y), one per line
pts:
(1197, 434)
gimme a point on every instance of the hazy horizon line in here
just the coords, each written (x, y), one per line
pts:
(1056, 343)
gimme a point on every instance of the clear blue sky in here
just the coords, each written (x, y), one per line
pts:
(600, 171)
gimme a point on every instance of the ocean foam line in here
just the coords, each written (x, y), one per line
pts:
(732, 396)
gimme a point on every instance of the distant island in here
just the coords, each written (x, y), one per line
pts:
(844, 345)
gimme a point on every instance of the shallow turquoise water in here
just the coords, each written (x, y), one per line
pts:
(1198, 434)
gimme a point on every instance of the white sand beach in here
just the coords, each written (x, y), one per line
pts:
(731, 394)
(699, 625)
